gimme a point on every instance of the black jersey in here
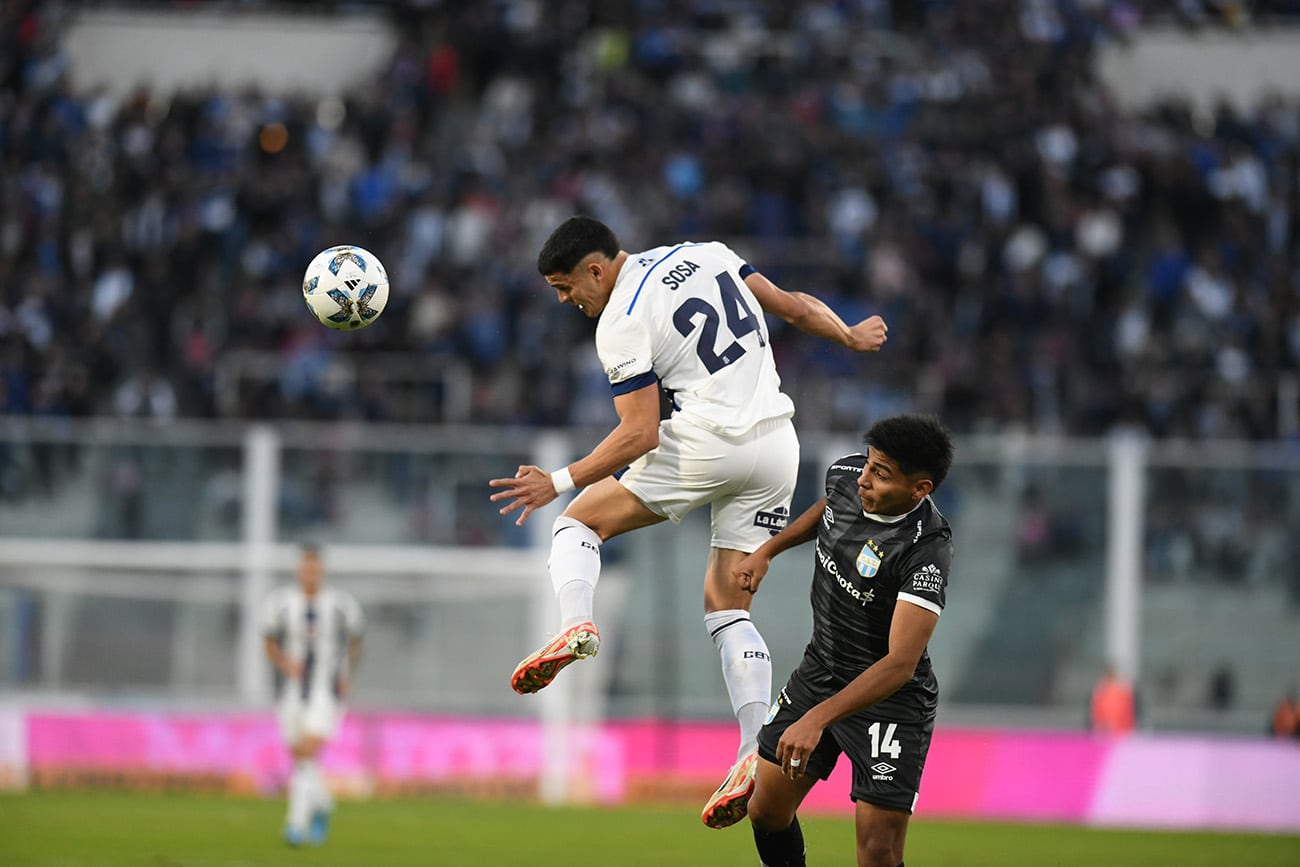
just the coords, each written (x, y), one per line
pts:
(863, 566)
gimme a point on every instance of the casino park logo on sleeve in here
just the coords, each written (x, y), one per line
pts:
(927, 579)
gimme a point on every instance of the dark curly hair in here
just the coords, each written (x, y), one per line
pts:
(917, 443)
(574, 240)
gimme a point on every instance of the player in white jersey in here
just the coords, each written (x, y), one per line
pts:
(313, 638)
(689, 318)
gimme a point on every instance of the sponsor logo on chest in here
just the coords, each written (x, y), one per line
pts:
(862, 597)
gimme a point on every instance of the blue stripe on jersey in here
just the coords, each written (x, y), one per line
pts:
(636, 383)
(746, 270)
(646, 276)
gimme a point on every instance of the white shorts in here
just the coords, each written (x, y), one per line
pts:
(747, 479)
(317, 716)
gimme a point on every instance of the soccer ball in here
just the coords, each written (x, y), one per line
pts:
(345, 287)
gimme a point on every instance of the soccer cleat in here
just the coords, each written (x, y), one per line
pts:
(320, 827)
(294, 837)
(537, 671)
(730, 802)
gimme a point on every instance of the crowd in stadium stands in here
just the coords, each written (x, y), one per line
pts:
(1045, 259)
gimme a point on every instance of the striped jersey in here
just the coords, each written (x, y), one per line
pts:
(315, 632)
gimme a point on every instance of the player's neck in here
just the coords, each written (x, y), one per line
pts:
(895, 518)
(616, 267)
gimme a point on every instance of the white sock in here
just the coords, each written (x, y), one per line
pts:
(746, 669)
(300, 796)
(321, 799)
(751, 718)
(575, 569)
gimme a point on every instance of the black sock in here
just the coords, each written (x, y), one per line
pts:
(781, 848)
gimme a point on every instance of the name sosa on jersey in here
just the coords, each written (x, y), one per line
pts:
(679, 274)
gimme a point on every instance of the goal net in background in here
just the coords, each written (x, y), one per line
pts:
(144, 657)
(150, 643)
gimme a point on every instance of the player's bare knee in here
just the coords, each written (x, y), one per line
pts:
(767, 815)
(308, 747)
(565, 522)
(724, 593)
(713, 604)
(879, 849)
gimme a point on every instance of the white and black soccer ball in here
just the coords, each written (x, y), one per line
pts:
(345, 287)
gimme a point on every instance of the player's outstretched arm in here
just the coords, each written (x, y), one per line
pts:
(750, 571)
(810, 314)
(637, 433)
(909, 633)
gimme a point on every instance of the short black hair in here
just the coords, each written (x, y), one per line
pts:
(917, 443)
(574, 240)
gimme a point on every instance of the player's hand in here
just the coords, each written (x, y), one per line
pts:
(796, 745)
(869, 335)
(343, 686)
(530, 489)
(750, 571)
(292, 669)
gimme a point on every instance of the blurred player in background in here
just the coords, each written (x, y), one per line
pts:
(688, 318)
(313, 638)
(865, 686)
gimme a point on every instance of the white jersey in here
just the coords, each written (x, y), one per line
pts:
(684, 316)
(314, 632)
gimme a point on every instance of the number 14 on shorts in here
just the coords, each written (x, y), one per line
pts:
(888, 745)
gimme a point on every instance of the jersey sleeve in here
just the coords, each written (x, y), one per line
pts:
(623, 344)
(925, 581)
(272, 615)
(732, 260)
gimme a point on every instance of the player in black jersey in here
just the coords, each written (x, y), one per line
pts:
(865, 686)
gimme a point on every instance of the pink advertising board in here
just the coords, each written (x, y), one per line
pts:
(1144, 780)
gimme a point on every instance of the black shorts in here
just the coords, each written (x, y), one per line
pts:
(886, 743)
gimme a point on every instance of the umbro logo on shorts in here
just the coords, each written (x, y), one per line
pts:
(883, 771)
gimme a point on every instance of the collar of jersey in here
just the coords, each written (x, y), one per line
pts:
(646, 275)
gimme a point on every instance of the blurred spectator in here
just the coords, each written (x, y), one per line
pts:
(145, 394)
(1285, 722)
(126, 494)
(1034, 532)
(1113, 709)
(1044, 534)
(1221, 691)
(1048, 261)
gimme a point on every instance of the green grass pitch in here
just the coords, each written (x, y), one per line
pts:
(64, 829)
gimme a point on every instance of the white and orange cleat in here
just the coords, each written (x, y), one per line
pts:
(538, 670)
(730, 802)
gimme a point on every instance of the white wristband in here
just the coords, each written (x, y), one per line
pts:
(563, 480)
